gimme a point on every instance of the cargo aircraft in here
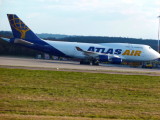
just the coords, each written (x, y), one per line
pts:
(87, 53)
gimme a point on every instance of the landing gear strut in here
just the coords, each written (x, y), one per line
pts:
(82, 62)
(95, 62)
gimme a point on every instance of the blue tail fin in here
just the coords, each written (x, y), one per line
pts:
(20, 30)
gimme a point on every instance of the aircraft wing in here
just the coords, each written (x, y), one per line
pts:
(88, 53)
(94, 54)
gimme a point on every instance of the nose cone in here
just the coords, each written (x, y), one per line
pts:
(156, 55)
(151, 53)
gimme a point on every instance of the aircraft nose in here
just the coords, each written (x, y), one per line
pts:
(157, 55)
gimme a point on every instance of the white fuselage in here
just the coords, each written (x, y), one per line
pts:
(129, 52)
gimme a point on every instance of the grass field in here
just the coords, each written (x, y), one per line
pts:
(45, 95)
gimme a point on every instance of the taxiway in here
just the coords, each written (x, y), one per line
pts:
(39, 64)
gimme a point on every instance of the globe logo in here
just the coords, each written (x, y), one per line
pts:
(17, 24)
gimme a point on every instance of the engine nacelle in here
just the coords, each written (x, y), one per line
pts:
(113, 60)
(103, 58)
(116, 60)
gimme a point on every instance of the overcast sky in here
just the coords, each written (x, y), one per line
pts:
(115, 18)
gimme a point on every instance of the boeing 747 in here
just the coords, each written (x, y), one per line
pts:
(86, 52)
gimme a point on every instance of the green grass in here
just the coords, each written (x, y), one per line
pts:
(38, 94)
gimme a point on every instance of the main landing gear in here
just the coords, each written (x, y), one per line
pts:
(94, 62)
(82, 62)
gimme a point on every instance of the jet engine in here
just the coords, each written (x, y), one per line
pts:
(116, 60)
(103, 58)
(111, 59)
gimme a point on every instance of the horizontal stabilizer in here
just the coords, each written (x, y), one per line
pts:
(20, 41)
(5, 39)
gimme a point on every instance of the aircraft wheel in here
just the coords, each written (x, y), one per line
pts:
(81, 62)
(84, 62)
(95, 62)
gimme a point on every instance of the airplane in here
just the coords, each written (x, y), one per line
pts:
(88, 53)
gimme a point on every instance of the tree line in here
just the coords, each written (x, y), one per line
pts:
(11, 49)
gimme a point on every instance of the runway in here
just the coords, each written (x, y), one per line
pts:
(39, 64)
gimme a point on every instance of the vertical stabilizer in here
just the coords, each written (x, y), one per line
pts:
(20, 30)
